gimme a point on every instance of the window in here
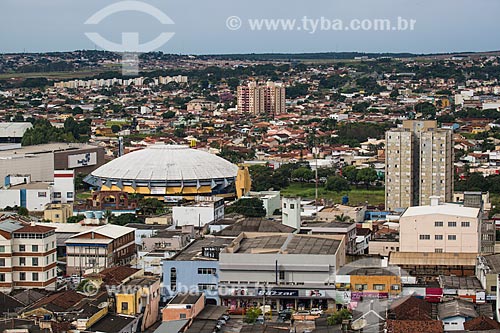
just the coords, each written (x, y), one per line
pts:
(22, 276)
(42, 194)
(425, 237)
(493, 288)
(282, 275)
(292, 206)
(207, 286)
(34, 248)
(379, 287)
(452, 237)
(182, 316)
(2, 262)
(361, 286)
(69, 195)
(2, 277)
(2, 249)
(284, 205)
(452, 224)
(438, 223)
(34, 261)
(22, 261)
(34, 276)
(395, 287)
(125, 306)
(206, 271)
(465, 224)
(438, 250)
(22, 248)
(438, 237)
(57, 195)
(173, 279)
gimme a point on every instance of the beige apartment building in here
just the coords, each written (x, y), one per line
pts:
(441, 228)
(419, 164)
(27, 256)
(259, 99)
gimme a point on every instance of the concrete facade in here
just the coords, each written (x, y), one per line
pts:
(419, 164)
(446, 228)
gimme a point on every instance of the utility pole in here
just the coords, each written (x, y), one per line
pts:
(316, 190)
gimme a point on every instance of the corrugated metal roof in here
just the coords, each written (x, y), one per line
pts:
(432, 259)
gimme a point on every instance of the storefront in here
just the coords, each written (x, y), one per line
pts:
(278, 298)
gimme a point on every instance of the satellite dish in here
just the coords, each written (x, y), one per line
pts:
(359, 324)
(103, 305)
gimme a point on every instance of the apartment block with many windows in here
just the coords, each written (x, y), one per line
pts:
(419, 164)
(27, 256)
(260, 99)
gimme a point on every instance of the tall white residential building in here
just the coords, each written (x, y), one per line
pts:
(419, 164)
(27, 256)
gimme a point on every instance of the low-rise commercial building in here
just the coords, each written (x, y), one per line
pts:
(195, 269)
(441, 228)
(202, 211)
(184, 306)
(285, 270)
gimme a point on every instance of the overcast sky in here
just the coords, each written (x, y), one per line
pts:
(200, 25)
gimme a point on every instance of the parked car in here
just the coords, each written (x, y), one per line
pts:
(316, 311)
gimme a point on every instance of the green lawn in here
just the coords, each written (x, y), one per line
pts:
(374, 196)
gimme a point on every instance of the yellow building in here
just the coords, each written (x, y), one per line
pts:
(58, 213)
(384, 281)
(140, 295)
(243, 182)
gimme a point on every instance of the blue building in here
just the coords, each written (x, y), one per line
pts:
(195, 269)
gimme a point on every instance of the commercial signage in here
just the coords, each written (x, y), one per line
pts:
(315, 293)
(278, 293)
(357, 296)
(82, 160)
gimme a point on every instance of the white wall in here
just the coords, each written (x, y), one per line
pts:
(192, 215)
(64, 185)
(454, 324)
(36, 203)
(10, 198)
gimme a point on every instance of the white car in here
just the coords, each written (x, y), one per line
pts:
(316, 311)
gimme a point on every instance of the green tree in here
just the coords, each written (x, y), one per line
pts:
(303, 174)
(249, 207)
(124, 219)
(338, 317)
(75, 219)
(337, 184)
(115, 128)
(252, 314)
(168, 115)
(350, 172)
(367, 176)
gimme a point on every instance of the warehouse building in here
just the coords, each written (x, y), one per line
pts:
(40, 161)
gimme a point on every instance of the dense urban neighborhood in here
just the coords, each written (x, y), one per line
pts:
(329, 192)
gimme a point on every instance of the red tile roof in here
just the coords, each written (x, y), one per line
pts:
(414, 326)
(481, 323)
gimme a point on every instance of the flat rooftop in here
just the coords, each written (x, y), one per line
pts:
(185, 299)
(45, 148)
(194, 250)
(289, 244)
